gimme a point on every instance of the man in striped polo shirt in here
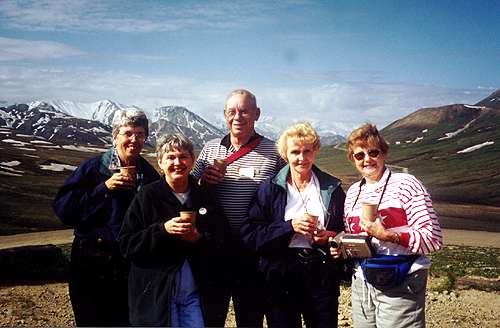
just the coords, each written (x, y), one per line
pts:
(234, 188)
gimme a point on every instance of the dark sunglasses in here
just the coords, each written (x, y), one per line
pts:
(373, 153)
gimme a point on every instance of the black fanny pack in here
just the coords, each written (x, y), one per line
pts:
(387, 271)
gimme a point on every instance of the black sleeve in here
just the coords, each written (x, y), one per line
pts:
(144, 240)
(336, 210)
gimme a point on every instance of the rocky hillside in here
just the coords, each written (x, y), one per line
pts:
(176, 119)
(453, 148)
(43, 120)
(492, 101)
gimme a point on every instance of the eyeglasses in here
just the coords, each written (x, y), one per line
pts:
(373, 153)
(231, 112)
(129, 135)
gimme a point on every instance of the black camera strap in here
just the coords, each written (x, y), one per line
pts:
(363, 181)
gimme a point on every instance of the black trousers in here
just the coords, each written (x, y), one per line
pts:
(238, 278)
(310, 290)
(98, 288)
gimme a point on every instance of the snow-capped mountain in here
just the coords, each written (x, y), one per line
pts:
(176, 119)
(168, 119)
(55, 124)
(43, 120)
(101, 111)
(105, 110)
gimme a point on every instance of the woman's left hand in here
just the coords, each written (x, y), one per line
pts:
(321, 237)
(192, 236)
(376, 229)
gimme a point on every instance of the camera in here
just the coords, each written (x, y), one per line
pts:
(353, 246)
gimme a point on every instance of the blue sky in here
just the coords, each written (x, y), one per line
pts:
(335, 63)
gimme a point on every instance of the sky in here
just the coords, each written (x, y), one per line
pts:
(334, 63)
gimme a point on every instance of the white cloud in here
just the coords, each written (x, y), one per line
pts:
(16, 49)
(135, 16)
(340, 105)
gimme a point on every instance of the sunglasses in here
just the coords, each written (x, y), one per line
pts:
(373, 153)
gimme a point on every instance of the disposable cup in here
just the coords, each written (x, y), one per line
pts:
(316, 221)
(221, 165)
(312, 216)
(369, 211)
(129, 171)
(188, 216)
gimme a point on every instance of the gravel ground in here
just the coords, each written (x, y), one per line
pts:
(48, 305)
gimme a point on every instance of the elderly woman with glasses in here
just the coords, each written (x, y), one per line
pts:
(94, 200)
(388, 289)
(172, 229)
(292, 216)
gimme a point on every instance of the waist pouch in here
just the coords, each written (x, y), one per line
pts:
(386, 271)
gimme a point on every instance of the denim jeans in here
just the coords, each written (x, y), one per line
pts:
(185, 307)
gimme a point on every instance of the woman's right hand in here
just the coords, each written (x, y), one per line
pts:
(177, 226)
(304, 225)
(119, 181)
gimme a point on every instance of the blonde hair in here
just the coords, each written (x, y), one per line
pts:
(365, 136)
(302, 132)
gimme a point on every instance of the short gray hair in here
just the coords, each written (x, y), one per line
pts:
(244, 92)
(134, 118)
(173, 141)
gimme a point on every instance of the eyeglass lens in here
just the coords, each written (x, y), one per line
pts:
(231, 112)
(373, 153)
(129, 135)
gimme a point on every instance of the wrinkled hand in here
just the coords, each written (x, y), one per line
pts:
(375, 229)
(120, 181)
(211, 175)
(177, 226)
(304, 225)
(322, 236)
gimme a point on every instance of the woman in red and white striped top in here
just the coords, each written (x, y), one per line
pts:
(406, 224)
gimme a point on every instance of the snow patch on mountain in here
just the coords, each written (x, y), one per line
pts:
(10, 164)
(476, 147)
(57, 167)
(452, 134)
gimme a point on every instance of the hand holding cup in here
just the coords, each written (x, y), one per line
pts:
(125, 179)
(306, 224)
(221, 165)
(178, 226)
(214, 174)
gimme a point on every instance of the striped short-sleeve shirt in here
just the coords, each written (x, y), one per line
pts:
(243, 176)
